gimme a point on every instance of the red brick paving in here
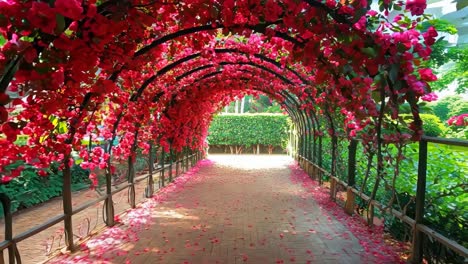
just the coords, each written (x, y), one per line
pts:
(234, 209)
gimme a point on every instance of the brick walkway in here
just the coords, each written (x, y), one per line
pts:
(234, 209)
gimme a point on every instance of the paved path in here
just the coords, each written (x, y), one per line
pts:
(230, 209)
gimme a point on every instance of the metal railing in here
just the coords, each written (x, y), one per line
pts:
(11, 240)
(419, 229)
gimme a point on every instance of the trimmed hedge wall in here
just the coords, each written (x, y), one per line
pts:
(249, 129)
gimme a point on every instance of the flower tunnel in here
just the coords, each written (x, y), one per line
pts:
(153, 73)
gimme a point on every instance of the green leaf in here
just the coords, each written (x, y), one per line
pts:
(2, 40)
(369, 51)
(393, 73)
(358, 14)
(9, 73)
(60, 20)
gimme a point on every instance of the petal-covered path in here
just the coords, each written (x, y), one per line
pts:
(237, 209)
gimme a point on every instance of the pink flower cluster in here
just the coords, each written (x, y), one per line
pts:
(416, 7)
(430, 97)
(460, 120)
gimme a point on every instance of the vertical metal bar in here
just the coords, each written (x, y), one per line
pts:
(6, 204)
(417, 249)
(177, 166)
(350, 197)
(109, 203)
(130, 179)
(170, 163)
(162, 180)
(67, 203)
(320, 152)
(314, 149)
(190, 159)
(150, 184)
(185, 160)
(131, 168)
(163, 169)
(290, 142)
(334, 154)
(352, 148)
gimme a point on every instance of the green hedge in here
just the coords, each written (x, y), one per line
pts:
(30, 189)
(249, 129)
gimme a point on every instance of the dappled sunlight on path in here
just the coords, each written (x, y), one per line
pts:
(237, 209)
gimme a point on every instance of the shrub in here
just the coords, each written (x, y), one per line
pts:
(249, 129)
(30, 189)
(450, 106)
(432, 125)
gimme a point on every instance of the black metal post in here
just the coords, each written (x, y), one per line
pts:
(67, 204)
(417, 250)
(131, 181)
(162, 178)
(170, 163)
(150, 184)
(109, 203)
(6, 204)
(177, 166)
(350, 196)
(352, 148)
(334, 154)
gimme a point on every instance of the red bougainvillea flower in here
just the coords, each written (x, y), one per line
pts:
(3, 114)
(4, 98)
(430, 97)
(416, 7)
(42, 16)
(430, 36)
(69, 8)
(111, 75)
(460, 120)
(427, 75)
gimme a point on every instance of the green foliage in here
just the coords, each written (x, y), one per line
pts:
(432, 125)
(457, 72)
(2, 40)
(30, 189)
(446, 191)
(424, 108)
(260, 104)
(450, 106)
(455, 58)
(461, 107)
(441, 26)
(249, 129)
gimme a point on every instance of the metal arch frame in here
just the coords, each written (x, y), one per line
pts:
(260, 27)
(293, 112)
(251, 64)
(285, 96)
(299, 116)
(308, 125)
(303, 121)
(171, 66)
(288, 101)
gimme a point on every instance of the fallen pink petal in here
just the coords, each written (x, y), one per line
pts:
(309, 227)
